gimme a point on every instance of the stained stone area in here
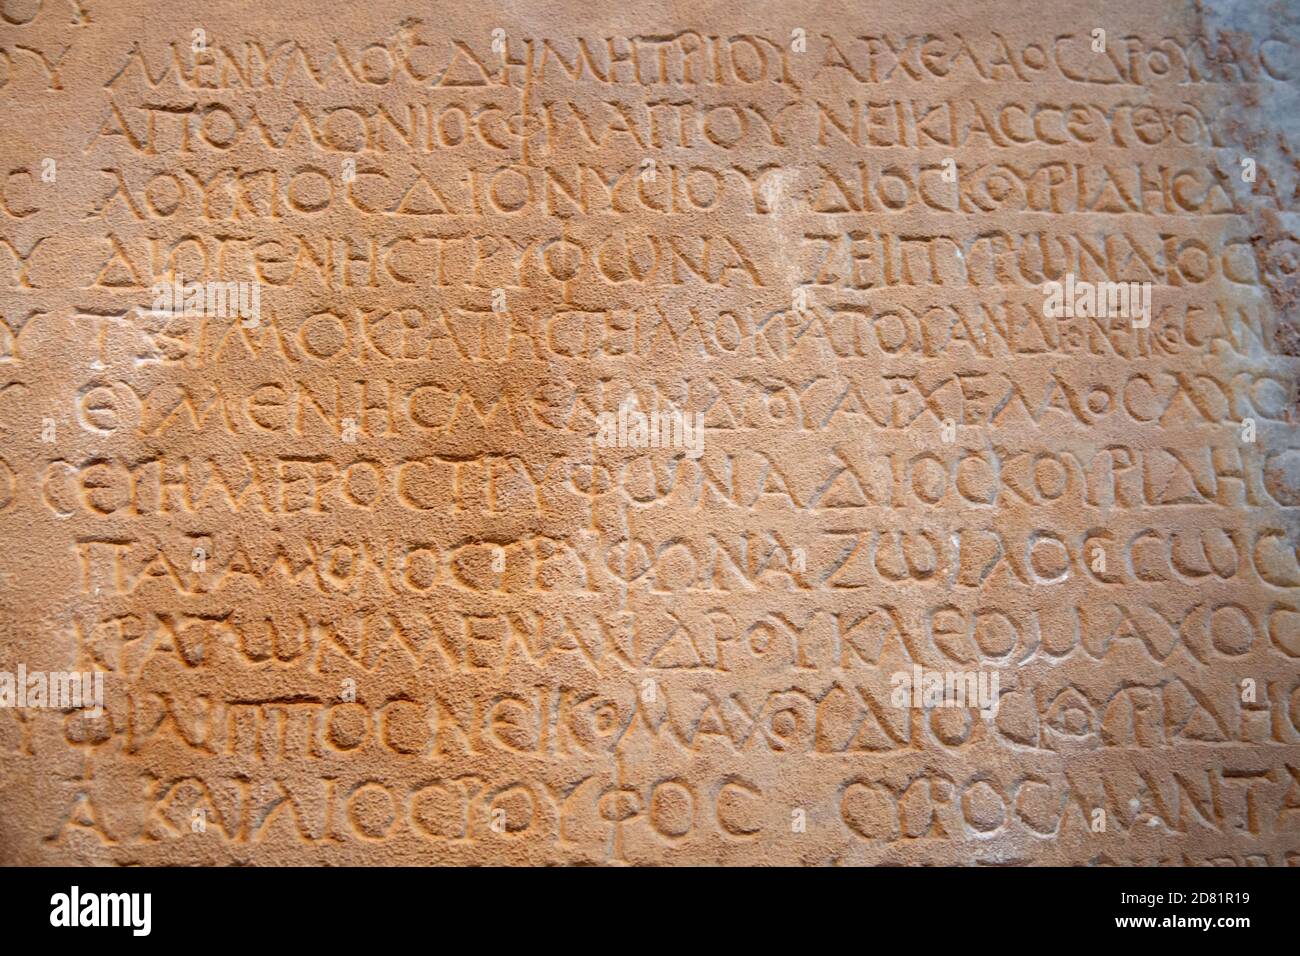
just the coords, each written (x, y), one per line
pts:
(649, 433)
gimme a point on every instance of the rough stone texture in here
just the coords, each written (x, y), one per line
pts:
(365, 585)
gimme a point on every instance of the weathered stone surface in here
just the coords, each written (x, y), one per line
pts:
(367, 552)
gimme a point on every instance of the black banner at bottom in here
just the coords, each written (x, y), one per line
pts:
(341, 906)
